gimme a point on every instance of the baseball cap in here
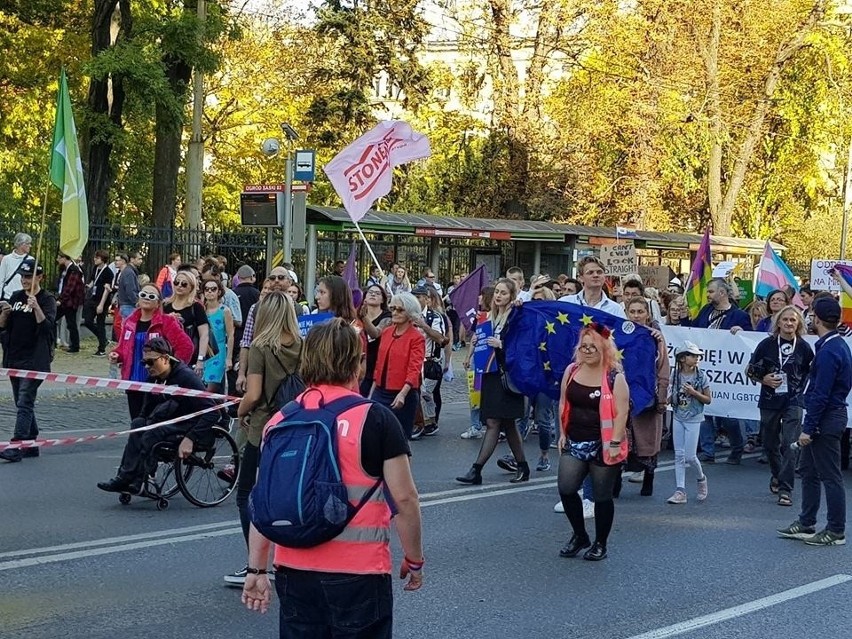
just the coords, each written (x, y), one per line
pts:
(420, 290)
(827, 309)
(28, 267)
(245, 271)
(688, 347)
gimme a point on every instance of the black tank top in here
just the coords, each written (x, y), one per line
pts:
(584, 419)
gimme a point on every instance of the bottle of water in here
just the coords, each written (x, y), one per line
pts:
(113, 371)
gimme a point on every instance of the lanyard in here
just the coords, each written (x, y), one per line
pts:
(781, 359)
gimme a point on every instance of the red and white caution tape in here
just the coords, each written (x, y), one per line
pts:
(116, 384)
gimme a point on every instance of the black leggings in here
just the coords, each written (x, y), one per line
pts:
(572, 472)
(245, 482)
(492, 433)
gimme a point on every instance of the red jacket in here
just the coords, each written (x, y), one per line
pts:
(161, 326)
(402, 356)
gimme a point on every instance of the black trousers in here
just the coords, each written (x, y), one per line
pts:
(70, 315)
(95, 322)
(137, 460)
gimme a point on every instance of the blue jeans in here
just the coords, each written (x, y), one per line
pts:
(819, 464)
(544, 410)
(24, 391)
(333, 605)
(125, 310)
(406, 413)
(709, 428)
(475, 422)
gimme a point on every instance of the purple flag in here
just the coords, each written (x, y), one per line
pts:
(464, 296)
(351, 277)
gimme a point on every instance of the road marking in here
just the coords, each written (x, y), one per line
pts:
(744, 609)
(117, 540)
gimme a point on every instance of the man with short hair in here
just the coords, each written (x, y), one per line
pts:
(339, 267)
(720, 313)
(71, 297)
(592, 275)
(127, 285)
(28, 322)
(10, 277)
(516, 274)
(429, 280)
(829, 383)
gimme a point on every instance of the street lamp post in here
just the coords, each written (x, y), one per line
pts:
(287, 223)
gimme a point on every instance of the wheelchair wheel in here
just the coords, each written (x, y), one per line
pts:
(209, 476)
(166, 480)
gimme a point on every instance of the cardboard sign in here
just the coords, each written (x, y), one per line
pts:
(820, 279)
(619, 259)
(307, 321)
(657, 277)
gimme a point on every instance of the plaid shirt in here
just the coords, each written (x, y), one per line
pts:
(73, 289)
(248, 328)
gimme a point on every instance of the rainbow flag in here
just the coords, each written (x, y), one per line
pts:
(699, 277)
(845, 273)
(774, 274)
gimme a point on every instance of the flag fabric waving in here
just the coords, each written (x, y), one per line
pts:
(773, 273)
(465, 296)
(363, 171)
(351, 277)
(699, 277)
(66, 174)
(541, 339)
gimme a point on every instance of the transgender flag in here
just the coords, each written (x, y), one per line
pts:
(773, 274)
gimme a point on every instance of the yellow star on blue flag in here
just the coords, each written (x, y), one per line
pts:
(551, 327)
(586, 320)
(563, 318)
(543, 347)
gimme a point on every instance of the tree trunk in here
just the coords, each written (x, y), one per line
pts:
(714, 108)
(111, 20)
(755, 127)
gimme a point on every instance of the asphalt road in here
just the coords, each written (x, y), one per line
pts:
(75, 563)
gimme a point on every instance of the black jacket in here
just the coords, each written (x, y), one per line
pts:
(765, 360)
(161, 407)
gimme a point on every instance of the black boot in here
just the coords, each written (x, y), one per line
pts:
(474, 475)
(575, 545)
(647, 484)
(523, 473)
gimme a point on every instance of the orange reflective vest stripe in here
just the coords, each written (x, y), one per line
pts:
(364, 545)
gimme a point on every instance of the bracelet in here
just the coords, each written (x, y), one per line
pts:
(416, 566)
(200, 359)
(257, 571)
(614, 443)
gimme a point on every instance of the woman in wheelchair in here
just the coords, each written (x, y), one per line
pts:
(137, 461)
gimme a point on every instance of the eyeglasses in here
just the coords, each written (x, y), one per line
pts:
(147, 363)
(211, 289)
(374, 292)
(280, 278)
(588, 348)
(430, 276)
(181, 283)
(396, 309)
(151, 297)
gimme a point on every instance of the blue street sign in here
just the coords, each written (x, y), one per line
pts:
(305, 165)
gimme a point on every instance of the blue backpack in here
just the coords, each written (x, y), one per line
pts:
(300, 500)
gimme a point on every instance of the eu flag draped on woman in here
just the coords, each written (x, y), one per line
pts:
(544, 336)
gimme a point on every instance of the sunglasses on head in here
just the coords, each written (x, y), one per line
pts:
(151, 297)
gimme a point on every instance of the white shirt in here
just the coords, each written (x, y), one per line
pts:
(605, 304)
(9, 265)
(525, 296)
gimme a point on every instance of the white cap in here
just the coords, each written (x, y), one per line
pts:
(688, 347)
(293, 277)
(676, 280)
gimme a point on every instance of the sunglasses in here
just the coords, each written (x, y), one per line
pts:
(396, 309)
(151, 297)
(211, 289)
(147, 363)
(181, 283)
(280, 278)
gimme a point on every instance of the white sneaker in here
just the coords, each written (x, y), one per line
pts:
(559, 508)
(588, 509)
(637, 478)
(472, 433)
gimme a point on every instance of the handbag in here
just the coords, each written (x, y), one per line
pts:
(508, 384)
(432, 370)
(212, 344)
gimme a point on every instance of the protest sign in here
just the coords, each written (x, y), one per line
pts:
(656, 276)
(820, 279)
(619, 259)
(306, 321)
(484, 358)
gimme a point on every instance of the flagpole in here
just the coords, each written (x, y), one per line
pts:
(367, 244)
(40, 236)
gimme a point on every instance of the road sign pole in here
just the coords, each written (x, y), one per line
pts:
(287, 222)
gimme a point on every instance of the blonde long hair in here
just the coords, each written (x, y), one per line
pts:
(276, 319)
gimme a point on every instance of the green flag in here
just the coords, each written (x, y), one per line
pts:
(66, 174)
